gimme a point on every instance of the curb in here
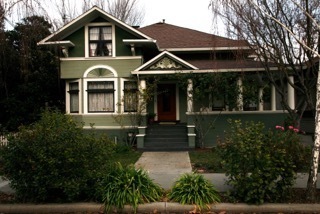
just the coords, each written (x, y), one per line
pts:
(159, 207)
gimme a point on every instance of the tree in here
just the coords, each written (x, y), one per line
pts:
(285, 33)
(127, 11)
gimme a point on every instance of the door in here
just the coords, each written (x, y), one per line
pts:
(166, 102)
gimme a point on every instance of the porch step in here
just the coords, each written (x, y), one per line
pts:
(166, 137)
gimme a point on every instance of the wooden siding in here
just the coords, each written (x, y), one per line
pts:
(77, 38)
(73, 69)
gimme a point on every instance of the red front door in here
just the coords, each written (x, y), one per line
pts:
(166, 102)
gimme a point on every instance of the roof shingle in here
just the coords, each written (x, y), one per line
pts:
(171, 36)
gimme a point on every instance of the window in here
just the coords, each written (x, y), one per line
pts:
(130, 98)
(74, 97)
(100, 41)
(100, 96)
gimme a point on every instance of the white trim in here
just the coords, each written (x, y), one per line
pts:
(101, 58)
(109, 127)
(238, 112)
(205, 49)
(177, 103)
(85, 95)
(115, 74)
(62, 43)
(202, 71)
(192, 135)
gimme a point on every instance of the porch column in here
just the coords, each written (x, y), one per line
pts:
(260, 99)
(291, 96)
(240, 95)
(142, 90)
(273, 98)
(190, 96)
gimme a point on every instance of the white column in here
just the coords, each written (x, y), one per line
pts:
(190, 96)
(142, 89)
(240, 95)
(291, 96)
(260, 99)
(273, 98)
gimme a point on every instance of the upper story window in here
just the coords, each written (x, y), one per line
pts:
(100, 41)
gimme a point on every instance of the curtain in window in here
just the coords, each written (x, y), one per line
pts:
(130, 96)
(100, 96)
(106, 33)
(74, 97)
(94, 33)
(93, 49)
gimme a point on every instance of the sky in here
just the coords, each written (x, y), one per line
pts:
(185, 13)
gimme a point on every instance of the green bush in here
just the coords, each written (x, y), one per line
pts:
(53, 160)
(128, 186)
(260, 164)
(194, 189)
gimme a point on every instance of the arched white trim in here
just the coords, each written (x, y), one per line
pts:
(115, 74)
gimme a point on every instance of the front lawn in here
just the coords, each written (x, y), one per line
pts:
(206, 160)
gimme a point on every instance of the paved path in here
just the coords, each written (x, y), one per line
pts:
(165, 167)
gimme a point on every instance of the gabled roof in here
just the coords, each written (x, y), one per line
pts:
(165, 62)
(85, 18)
(174, 38)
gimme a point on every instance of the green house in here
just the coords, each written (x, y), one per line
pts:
(161, 86)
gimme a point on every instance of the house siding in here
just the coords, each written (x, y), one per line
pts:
(221, 125)
(77, 39)
(72, 69)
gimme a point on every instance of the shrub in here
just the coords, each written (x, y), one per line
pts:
(53, 160)
(194, 189)
(129, 186)
(260, 164)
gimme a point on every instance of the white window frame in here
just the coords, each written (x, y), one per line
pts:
(86, 38)
(85, 94)
(123, 80)
(68, 109)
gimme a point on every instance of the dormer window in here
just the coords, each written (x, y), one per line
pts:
(100, 41)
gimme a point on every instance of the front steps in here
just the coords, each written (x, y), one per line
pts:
(166, 137)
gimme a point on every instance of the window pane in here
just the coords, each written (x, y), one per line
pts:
(74, 97)
(101, 96)
(130, 96)
(94, 33)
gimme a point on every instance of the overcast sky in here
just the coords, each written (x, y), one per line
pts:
(185, 13)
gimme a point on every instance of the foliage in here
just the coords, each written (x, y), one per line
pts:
(194, 189)
(128, 186)
(53, 160)
(29, 75)
(260, 164)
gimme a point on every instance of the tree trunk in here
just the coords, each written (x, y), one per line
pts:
(313, 173)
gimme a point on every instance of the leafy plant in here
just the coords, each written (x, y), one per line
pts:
(129, 186)
(53, 160)
(194, 189)
(260, 164)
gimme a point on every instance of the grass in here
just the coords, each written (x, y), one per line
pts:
(206, 160)
(126, 156)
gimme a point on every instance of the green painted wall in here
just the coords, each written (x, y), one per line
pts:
(220, 122)
(72, 69)
(77, 38)
(121, 48)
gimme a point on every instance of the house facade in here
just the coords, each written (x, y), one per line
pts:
(117, 76)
